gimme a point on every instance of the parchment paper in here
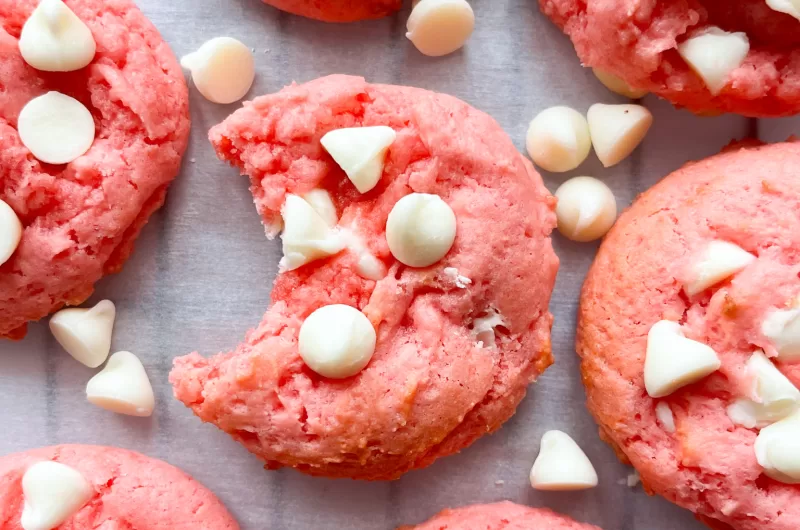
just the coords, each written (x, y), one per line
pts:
(202, 272)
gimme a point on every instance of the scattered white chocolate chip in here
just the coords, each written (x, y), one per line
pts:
(772, 397)
(617, 85)
(452, 275)
(54, 39)
(122, 386)
(782, 327)
(360, 152)
(558, 139)
(617, 130)
(322, 203)
(10, 231)
(673, 361)
(633, 479)
(716, 262)
(52, 493)
(85, 333)
(714, 54)
(337, 341)
(562, 465)
(484, 327)
(421, 229)
(306, 236)
(223, 69)
(665, 416)
(439, 27)
(790, 7)
(586, 209)
(777, 450)
(56, 128)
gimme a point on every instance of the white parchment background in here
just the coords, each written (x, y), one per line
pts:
(202, 273)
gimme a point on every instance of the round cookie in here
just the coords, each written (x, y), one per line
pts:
(81, 218)
(637, 41)
(500, 516)
(684, 445)
(129, 490)
(338, 10)
(430, 389)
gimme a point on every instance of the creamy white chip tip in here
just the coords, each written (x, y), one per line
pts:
(790, 7)
(782, 328)
(673, 361)
(586, 209)
(367, 265)
(713, 54)
(52, 493)
(772, 396)
(616, 130)
(460, 281)
(10, 231)
(420, 229)
(122, 386)
(360, 152)
(777, 450)
(54, 39)
(562, 465)
(85, 333)
(56, 128)
(306, 236)
(320, 200)
(665, 416)
(617, 84)
(484, 327)
(716, 262)
(439, 27)
(337, 341)
(558, 139)
(223, 69)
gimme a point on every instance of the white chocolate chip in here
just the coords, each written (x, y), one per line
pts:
(484, 327)
(360, 152)
(223, 69)
(452, 274)
(558, 139)
(85, 333)
(617, 130)
(562, 465)
(54, 39)
(56, 128)
(633, 479)
(52, 493)
(322, 203)
(337, 341)
(714, 54)
(772, 397)
(306, 236)
(665, 416)
(122, 386)
(672, 361)
(717, 261)
(777, 450)
(617, 85)
(367, 265)
(10, 231)
(439, 27)
(790, 7)
(421, 229)
(586, 209)
(782, 327)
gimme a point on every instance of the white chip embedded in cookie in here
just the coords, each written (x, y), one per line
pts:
(713, 54)
(421, 229)
(54, 39)
(53, 492)
(56, 128)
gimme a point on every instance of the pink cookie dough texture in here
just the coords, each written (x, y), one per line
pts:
(81, 219)
(131, 491)
(500, 516)
(637, 41)
(338, 10)
(748, 195)
(429, 390)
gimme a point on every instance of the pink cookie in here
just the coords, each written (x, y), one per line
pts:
(338, 10)
(431, 389)
(637, 39)
(81, 219)
(130, 491)
(500, 516)
(749, 196)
